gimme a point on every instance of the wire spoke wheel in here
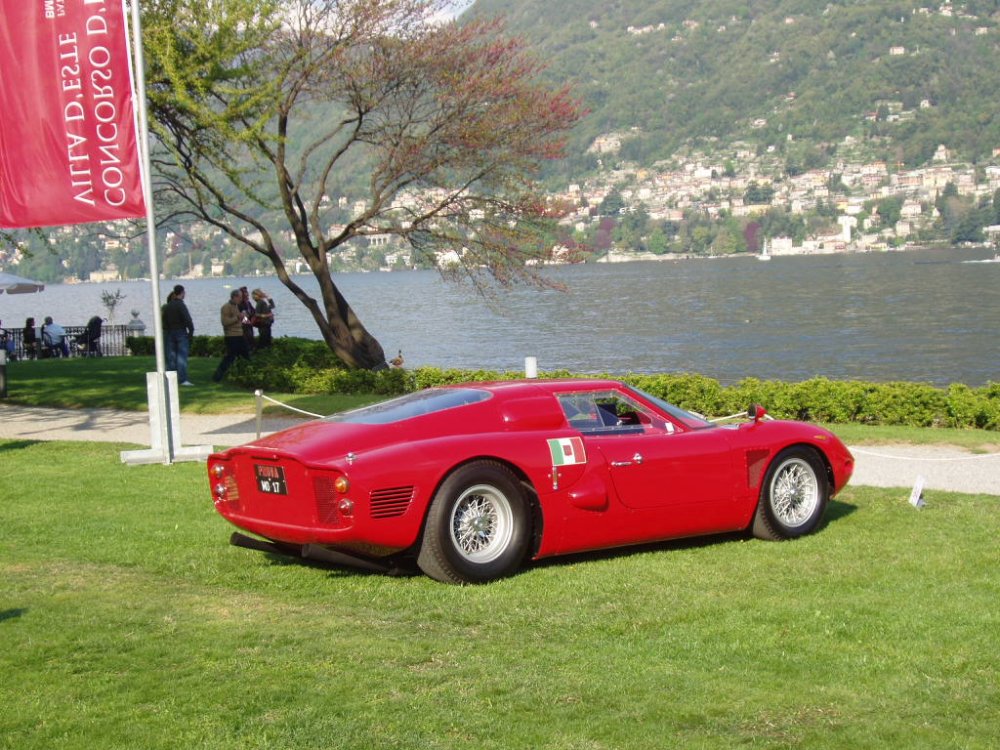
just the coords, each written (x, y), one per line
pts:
(793, 496)
(482, 523)
(478, 527)
(795, 492)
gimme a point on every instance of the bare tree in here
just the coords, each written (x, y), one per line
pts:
(262, 107)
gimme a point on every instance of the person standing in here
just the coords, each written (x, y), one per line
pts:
(178, 330)
(263, 317)
(247, 311)
(232, 328)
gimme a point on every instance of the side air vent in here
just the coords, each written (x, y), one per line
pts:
(390, 502)
(756, 463)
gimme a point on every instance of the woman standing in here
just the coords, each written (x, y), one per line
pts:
(246, 315)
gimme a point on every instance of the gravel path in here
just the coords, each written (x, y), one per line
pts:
(942, 467)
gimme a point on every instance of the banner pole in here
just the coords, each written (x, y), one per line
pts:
(166, 431)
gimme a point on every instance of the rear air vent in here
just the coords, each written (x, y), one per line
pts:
(326, 501)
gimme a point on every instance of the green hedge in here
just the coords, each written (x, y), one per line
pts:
(304, 366)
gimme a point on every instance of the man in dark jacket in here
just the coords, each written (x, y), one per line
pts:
(178, 330)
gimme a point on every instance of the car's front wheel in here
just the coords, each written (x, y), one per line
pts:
(793, 496)
(478, 526)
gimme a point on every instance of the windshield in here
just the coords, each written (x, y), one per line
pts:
(684, 417)
(411, 405)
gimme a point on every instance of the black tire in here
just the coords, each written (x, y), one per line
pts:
(478, 526)
(793, 497)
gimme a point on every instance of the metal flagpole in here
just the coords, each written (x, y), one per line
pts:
(164, 411)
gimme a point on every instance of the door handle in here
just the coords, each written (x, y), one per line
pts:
(636, 459)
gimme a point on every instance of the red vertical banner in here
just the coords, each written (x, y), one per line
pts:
(68, 135)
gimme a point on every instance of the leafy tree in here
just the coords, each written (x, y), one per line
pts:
(612, 204)
(603, 234)
(729, 238)
(261, 106)
(111, 302)
(890, 209)
(751, 237)
(948, 194)
(657, 241)
(758, 193)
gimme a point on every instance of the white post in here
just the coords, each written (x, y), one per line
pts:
(259, 397)
(530, 367)
(164, 410)
(165, 389)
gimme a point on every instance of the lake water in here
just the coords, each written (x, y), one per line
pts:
(922, 315)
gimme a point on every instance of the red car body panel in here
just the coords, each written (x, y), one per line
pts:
(659, 477)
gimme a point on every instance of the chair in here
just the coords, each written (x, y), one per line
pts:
(88, 342)
(29, 343)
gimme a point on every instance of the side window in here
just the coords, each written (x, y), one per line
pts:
(581, 411)
(610, 412)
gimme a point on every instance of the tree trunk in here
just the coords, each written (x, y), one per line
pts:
(345, 333)
(341, 328)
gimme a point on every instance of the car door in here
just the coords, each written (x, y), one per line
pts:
(657, 468)
(653, 461)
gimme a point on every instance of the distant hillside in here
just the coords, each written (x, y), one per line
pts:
(798, 76)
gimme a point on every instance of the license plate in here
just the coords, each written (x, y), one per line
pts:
(271, 479)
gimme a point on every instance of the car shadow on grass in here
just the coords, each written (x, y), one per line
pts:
(400, 568)
(835, 511)
(406, 567)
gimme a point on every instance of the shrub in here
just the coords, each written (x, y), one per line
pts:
(974, 407)
(913, 404)
(140, 346)
(201, 346)
(306, 366)
(692, 392)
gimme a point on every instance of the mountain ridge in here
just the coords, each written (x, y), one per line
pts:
(786, 76)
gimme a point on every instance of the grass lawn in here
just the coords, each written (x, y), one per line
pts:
(127, 621)
(120, 383)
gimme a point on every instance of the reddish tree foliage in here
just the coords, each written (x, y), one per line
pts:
(449, 122)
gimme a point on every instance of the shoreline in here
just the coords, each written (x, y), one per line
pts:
(621, 256)
(610, 257)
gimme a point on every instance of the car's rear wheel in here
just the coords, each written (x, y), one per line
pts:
(478, 526)
(793, 496)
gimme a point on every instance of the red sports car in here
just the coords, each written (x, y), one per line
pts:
(470, 481)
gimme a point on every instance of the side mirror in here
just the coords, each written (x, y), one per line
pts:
(756, 412)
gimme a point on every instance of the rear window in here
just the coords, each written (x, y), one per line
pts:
(411, 405)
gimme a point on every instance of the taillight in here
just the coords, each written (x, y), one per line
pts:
(333, 508)
(224, 489)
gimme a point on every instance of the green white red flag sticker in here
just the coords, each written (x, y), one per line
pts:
(567, 451)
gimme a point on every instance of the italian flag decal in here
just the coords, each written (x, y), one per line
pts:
(567, 451)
